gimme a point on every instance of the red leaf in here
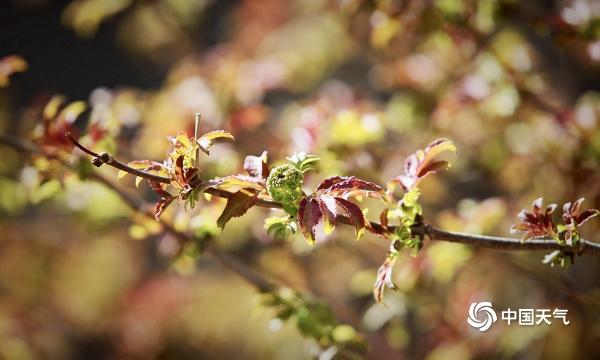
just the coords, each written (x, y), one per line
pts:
(237, 205)
(179, 173)
(327, 183)
(157, 187)
(433, 167)
(587, 215)
(349, 185)
(573, 216)
(309, 214)
(536, 224)
(355, 215)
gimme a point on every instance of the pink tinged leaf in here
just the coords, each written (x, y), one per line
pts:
(567, 214)
(350, 185)
(207, 140)
(537, 205)
(411, 165)
(256, 166)
(355, 215)
(309, 214)
(522, 215)
(237, 205)
(384, 278)
(576, 208)
(406, 182)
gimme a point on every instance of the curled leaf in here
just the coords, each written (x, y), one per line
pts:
(384, 276)
(346, 186)
(165, 198)
(280, 227)
(207, 140)
(304, 162)
(10, 65)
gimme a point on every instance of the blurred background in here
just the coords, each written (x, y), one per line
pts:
(362, 84)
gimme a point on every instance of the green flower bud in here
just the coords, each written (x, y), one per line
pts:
(284, 184)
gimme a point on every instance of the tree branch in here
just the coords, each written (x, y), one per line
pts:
(503, 243)
(140, 206)
(492, 242)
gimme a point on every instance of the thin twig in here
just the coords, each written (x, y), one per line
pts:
(106, 158)
(493, 242)
(140, 206)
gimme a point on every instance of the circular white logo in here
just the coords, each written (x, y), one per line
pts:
(481, 315)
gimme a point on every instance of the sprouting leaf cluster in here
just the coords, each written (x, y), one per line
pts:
(539, 223)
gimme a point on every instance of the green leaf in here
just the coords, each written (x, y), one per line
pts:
(237, 205)
(184, 140)
(45, 191)
(304, 162)
(280, 227)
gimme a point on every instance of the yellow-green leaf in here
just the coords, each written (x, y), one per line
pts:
(207, 140)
